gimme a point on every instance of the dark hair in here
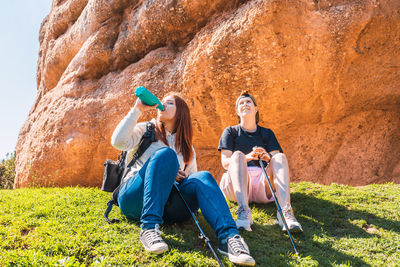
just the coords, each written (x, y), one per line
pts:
(182, 128)
(247, 94)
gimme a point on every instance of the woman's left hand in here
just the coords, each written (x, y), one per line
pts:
(180, 176)
(265, 156)
(262, 153)
(142, 106)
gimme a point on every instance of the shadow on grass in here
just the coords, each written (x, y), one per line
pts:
(335, 218)
(324, 223)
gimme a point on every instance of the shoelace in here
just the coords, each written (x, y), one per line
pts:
(288, 212)
(242, 213)
(291, 220)
(237, 245)
(153, 235)
(289, 215)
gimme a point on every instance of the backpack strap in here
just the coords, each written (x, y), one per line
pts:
(122, 157)
(108, 210)
(148, 137)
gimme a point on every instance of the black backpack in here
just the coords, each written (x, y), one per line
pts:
(120, 171)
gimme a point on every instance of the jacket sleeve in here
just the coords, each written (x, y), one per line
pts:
(128, 133)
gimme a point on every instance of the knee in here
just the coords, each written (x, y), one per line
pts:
(166, 154)
(279, 164)
(279, 157)
(238, 156)
(204, 177)
(165, 151)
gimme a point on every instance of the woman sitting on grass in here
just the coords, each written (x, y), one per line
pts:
(241, 147)
(146, 192)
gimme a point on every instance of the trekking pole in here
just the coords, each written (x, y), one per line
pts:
(277, 205)
(202, 234)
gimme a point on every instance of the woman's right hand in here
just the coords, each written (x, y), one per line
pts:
(142, 106)
(253, 155)
(257, 153)
(180, 176)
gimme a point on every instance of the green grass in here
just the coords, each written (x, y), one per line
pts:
(343, 226)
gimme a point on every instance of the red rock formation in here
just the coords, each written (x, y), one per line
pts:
(325, 74)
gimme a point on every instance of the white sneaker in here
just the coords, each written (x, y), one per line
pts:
(152, 240)
(237, 251)
(292, 223)
(244, 220)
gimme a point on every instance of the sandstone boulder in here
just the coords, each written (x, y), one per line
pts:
(325, 74)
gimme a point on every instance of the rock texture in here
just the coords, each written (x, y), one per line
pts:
(325, 74)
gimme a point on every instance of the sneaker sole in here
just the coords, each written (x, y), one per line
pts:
(243, 228)
(295, 229)
(160, 251)
(235, 260)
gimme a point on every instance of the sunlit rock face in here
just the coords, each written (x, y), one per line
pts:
(325, 75)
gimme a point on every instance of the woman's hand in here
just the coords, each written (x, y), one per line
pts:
(142, 106)
(253, 155)
(180, 176)
(261, 153)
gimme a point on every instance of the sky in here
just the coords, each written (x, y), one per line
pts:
(19, 47)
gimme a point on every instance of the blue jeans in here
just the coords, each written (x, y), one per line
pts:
(148, 196)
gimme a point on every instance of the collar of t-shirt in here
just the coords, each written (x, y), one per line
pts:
(256, 132)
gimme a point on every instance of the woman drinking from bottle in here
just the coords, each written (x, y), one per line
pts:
(147, 191)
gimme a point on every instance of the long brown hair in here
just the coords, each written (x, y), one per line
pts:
(182, 128)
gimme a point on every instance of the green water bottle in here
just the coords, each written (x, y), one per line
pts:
(148, 98)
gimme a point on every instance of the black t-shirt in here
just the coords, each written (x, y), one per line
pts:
(234, 138)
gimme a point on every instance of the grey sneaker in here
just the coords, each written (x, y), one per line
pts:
(152, 240)
(292, 223)
(237, 251)
(244, 220)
